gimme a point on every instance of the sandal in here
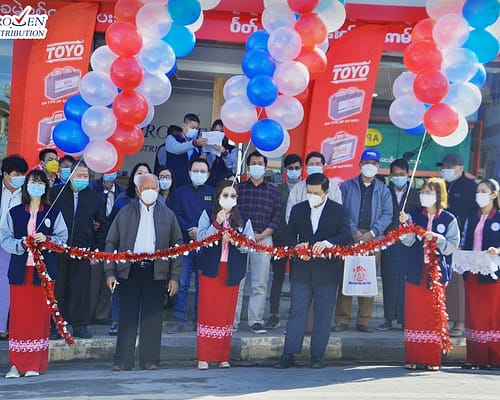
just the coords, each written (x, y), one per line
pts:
(411, 366)
(432, 367)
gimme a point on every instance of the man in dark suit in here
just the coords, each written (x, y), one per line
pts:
(322, 223)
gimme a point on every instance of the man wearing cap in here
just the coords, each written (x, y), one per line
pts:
(461, 203)
(369, 203)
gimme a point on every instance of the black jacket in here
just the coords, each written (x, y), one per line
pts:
(462, 199)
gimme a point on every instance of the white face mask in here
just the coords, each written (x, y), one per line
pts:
(227, 203)
(448, 174)
(483, 199)
(257, 171)
(314, 169)
(149, 196)
(314, 200)
(427, 200)
(369, 170)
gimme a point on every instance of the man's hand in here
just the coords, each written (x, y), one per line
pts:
(219, 148)
(318, 247)
(111, 283)
(172, 288)
(403, 217)
(200, 142)
(193, 232)
(356, 236)
(367, 236)
(300, 246)
(95, 225)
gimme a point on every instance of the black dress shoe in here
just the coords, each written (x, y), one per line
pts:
(149, 367)
(365, 328)
(286, 361)
(82, 333)
(120, 367)
(317, 363)
(340, 327)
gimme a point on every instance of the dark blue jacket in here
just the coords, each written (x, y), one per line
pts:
(179, 163)
(491, 237)
(462, 198)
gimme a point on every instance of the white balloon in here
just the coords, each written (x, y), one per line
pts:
(281, 150)
(450, 31)
(238, 114)
(286, 110)
(196, 25)
(235, 86)
(325, 45)
(333, 16)
(102, 58)
(276, 16)
(284, 44)
(97, 89)
(157, 56)
(406, 112)
(464, 96)
(156, 88)
(292, 77)
(267, 3)
(149, 117)
(153, 20)
(437, 8)
(403, 84)
(98, 122)
(459, 65)
(456, 137)
(100, 156)
(209, 4)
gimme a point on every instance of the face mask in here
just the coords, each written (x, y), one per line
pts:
(80, 183)
(482, 199)
(36, 190)
(65, 173)
(199, 178)
(369, 170)
(17, 181)
(314, 200)
(314, 169)
(257, 171)
(52, 166)
(427, 200)
(448, 174)
(109, 177)
(293, 174)
(149, 196)
(165, 184)
(227, 203)
(191, 133)
(399, 181)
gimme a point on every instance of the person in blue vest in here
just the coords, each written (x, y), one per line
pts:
(188, 203)
(181, 148)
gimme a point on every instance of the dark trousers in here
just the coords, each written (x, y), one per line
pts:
(73, 291)
(301, 296)
(100, 296)
(141, 301)
(279, 270)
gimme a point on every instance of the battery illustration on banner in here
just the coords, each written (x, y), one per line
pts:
(346, 102)
(61, 82)
(46, 127)
(339, 148)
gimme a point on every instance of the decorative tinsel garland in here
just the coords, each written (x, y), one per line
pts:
(361, 248)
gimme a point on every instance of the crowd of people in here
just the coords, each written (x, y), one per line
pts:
(192, 194)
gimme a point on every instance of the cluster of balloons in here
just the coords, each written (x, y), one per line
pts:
(445, 62)
(129, 77)
(263, 104)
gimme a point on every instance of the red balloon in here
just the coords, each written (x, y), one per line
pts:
(126, 72)
(430, 87)
(118, 164)
(311, 29)
(123, 38)
(303, 6)
(423, 30)
(422, 55)
(441, 120)
(314, 59)
(237, 137)
(126, 10)
(128, 140)
(130, 108)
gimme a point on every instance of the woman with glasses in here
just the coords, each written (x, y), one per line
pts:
(166, 181)
(222, 267)
(30, 315)
(423, 344)
(482, 292)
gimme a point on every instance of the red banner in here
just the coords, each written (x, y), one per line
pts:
(45, 73)
(342, 99)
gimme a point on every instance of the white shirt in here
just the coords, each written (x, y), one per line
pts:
(10, 199)
(145, 241)
(110, 199)
(316, 215)
(75, 202)
(400, 193)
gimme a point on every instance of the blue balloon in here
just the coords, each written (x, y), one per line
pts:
(258, 62)
(480, 78)
(257, 40)
(267, 134)
(481, 13)
(184, 12)
(69, 137)
(419, 130)
(484, 44)
(172, 70)
(181, 39)
(74, 107)
(262, 91)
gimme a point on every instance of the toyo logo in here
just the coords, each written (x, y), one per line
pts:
(65, 51)
(351, 72)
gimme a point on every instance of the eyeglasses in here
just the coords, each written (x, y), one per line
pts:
(164, 177)
(225, 195)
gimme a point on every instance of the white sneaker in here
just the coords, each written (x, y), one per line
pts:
(31, 373)
(13, 373)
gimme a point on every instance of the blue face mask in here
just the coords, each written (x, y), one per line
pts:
(257, 171)
(399, 181)
(80, 183)
(17, 181)
(109, 177)
(293, 174)
(65, 173)
(192, 133)
(314, 169)
(36, 190)
(199, 178)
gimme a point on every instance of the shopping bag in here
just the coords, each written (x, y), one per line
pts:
(360, 276)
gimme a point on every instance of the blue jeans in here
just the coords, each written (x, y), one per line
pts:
(189, 265)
